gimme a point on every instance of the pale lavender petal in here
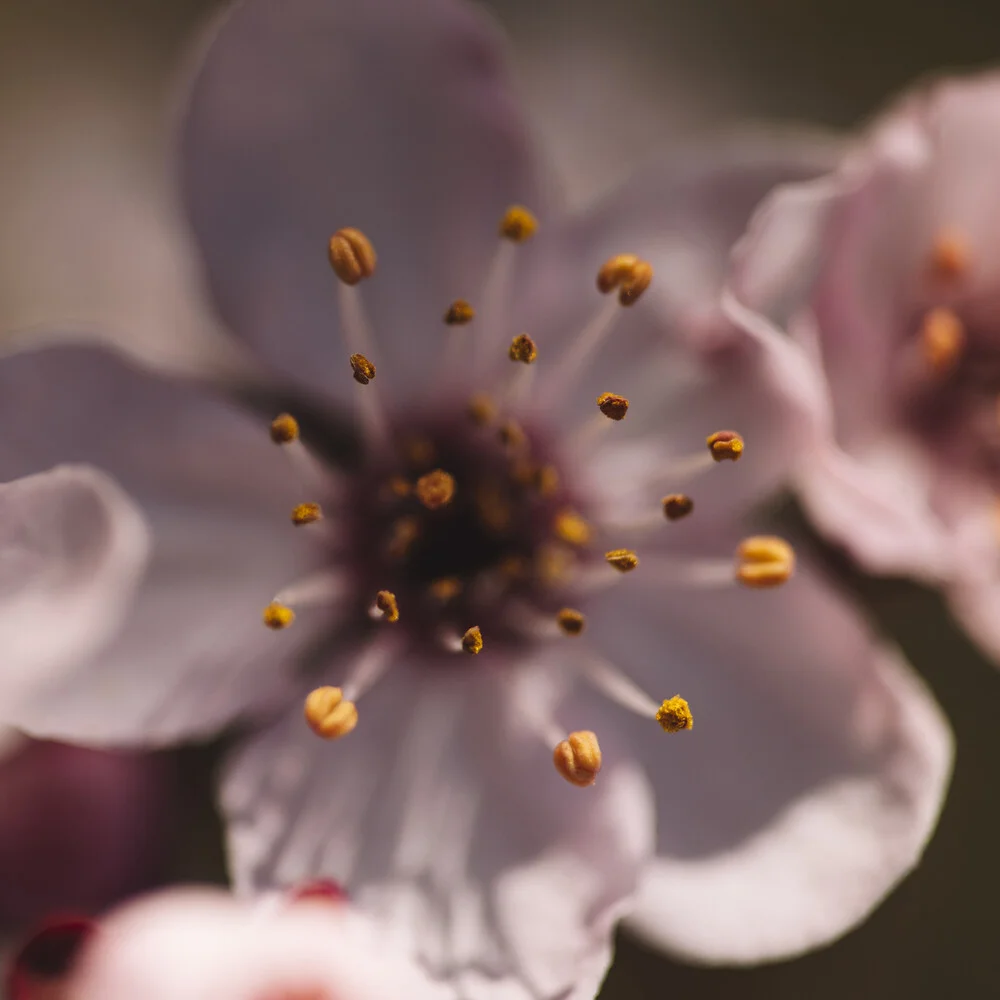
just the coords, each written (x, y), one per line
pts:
(73, 548)
(810, 782)
(391, 116)
(447, 821)
(191, 652)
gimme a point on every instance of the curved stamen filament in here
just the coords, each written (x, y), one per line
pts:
(369, 667)
(315, 590)
(569, 367)
(360, 342)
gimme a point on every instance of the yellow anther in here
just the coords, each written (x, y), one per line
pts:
(472, 640)
(764, 561)
(446, 589)
(399, 486)
(352, 256)
(571, 621)
(481, 409)
(403, 533)
(307, 513)
(553, 564)
(614, 271)
(571, 528)
(674, 715)
(385, 604)
(725, 446)
(523, 349)
(436, 489)
(614, 407)
(623, 560)
(578, 758)
(459, 313)
(626, 272)
(514, 567)
(676, 506)
(328, 715)
(493, 507)
(518, 224)
(511, 435)
(417, 449)
(547, 480)
(284, 429)
(362, 368)
(636, 283)
(942, 339)
(949, 255)
(277, 616)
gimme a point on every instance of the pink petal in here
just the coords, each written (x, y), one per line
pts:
(309, 115)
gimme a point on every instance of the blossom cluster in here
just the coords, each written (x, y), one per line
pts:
(463, 521)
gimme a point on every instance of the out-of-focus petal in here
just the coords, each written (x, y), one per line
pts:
(810, 782)
(447, 821)
(191, 651)
(73, 547)
(80, 829)
(202, 945)
(393, 117)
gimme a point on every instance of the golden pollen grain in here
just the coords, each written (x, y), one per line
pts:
(949, 255)
(676, 506)
(764, 561)
(277, 616)
(385, 601)
(459, 313)
(328, 714)
(523, 349)
(307, 513)
(570, 528)
(284, 429)
(352, 255)
(725, 446)
(636, 283)
(511, 435)
(362, 369)
(447, 588)
(614, 271)
(518, 224)
(472, 640)
(674, 715)
(570, 621)
(614, 407)
(623, 560)
(436, 489)
(942, 339)
(578, 758)
(481, 409)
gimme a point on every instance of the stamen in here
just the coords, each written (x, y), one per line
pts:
(725, 446)
(511, 435)
(481, 409)
(315, 590)
(571, 528)
(284, 429)
(518, 224)
(369, 667)
(472, 641)
(622, 690)
(578, 758)
(385, 606)
(352, 255)
(307, 513)
(403, 533)
(546, 480)
(633, 286)
(523, 349)
(328, 714)
(942, 340)
(276, 616)
(363, 369)
(950, 255)
(459, 313)
(626, 272)
(553, 564)
(436, 489)
(571, 621)
(614, 407)
(399, 487)
(623, 560)
(493, 507)
(417, 449)
(577, 354)
(674, 715)
(764, 561)
(446, 589)
(677, 506)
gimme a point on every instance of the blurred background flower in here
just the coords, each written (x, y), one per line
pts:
(83, 87)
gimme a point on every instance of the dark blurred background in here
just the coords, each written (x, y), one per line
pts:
(83, 85)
